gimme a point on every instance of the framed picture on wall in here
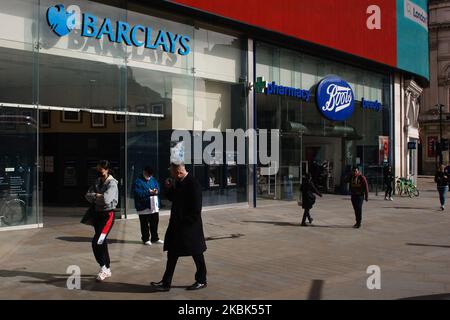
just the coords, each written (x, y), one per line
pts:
(98, 120)
(8, 121)
(157, 108)
(44, 118)
(119, 118)
(71, 116)
(141, 121)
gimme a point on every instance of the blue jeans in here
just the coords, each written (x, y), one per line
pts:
(442, 194)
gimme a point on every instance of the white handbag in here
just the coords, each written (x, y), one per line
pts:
(154, 204)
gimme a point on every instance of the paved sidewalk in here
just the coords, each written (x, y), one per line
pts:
(258, 253)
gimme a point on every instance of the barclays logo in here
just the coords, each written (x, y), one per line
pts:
(60, 21)
(335, 99)
(63, 22)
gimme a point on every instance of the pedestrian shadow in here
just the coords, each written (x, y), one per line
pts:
(88, 239)
(87, 283)
(276, 223)
(330, 226)
(440, 296)
(429, 245)
(292, 224)
(315, 293)
(406, 208)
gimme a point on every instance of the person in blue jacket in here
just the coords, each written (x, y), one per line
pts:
(145, 187)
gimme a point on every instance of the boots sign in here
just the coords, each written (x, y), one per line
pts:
(63, 22)
(335, 98)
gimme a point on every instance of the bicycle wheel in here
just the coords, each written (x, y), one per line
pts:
(399, 189)
(13, 212)
(409, 192)
(415, 191)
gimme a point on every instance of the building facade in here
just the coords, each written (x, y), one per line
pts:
(91, 80)
(436, 98)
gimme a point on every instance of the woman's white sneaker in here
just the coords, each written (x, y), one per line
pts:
(159, 242)
(104, 273)
(148, 243)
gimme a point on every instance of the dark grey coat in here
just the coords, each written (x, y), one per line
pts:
(184, 235)
(308, 191)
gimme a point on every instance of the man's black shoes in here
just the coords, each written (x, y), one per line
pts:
(160, 286)
(197, 286)
(357, 226)
(163, 287)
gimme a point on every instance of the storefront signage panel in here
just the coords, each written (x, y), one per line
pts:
(272, 88)
(335, 98)
(63, 22)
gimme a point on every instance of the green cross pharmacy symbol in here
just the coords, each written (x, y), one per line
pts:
(260, 85)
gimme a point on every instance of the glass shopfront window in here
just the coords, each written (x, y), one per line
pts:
(308, 141)
(68, 101)
(18, 116)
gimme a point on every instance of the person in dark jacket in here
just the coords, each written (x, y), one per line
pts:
(184, 235)
(308, 189)
(388, 181)
(442, 180)
(144, 187)
(360, 192)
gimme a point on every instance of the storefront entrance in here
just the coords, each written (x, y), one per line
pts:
(309, 141)
(68, 101)
(69, 156)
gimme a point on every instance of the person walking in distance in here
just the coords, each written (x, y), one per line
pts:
(184, 235)
(103, 196)
(146, 201)
(442, 180)
(359, 192)
(388, 181)
(308, 190)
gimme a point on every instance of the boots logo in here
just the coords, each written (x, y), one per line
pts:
(335, 98)
(60, 21)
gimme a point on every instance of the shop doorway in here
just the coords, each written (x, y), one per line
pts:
(324, 162)
(71, 144)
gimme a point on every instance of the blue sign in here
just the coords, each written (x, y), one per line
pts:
(373, 105)
(335, 98)
(62, 23)
(274, 89)
(412, 145)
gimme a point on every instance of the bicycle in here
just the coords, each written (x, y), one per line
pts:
(12, 212)
(407, 187)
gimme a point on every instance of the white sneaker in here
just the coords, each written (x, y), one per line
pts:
(391, 199)
(385, 198)
(159, 242)
(148, 243)
(103, 274)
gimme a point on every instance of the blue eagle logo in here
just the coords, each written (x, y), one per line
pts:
(60, 21)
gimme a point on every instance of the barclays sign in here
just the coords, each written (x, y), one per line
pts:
(335, 98)
(63, 22)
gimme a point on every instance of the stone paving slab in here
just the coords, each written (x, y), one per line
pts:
(259, 253)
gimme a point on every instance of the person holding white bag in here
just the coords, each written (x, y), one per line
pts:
(146, 200)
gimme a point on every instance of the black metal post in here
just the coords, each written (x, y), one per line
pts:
(441, 160)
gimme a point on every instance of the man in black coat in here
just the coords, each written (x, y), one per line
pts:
(184, 235)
